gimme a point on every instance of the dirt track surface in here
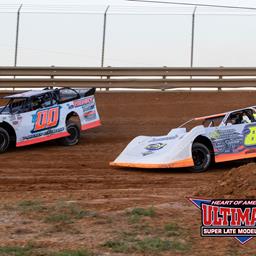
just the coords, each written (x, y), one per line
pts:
(49, 174)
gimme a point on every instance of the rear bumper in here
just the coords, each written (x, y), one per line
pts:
(90, 125)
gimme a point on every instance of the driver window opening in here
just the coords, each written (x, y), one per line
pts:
(242, 117)
(212, 122)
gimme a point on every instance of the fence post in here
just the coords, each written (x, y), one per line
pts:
(17, 36)
(192, 41)
(17, 39)
(192, 38)
(104, 36)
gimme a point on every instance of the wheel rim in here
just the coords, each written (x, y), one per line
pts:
(73, 133)
(2, 140)
(200, 158)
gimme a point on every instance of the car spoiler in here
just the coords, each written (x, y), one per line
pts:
(86, 92)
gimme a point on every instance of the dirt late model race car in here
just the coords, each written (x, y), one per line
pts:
(36, 116)
(196, 144)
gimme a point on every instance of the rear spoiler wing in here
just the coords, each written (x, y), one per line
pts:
(86, 92)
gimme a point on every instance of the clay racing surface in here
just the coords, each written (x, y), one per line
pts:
(56, 198)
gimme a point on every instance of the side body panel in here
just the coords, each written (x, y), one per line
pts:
(87, 112)
(233, 142)
(40, 125)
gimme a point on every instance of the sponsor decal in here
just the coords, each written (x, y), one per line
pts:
(232, 141)
(249, 133)
(45, 119)
(164, 138)
(70, 106)
(80, 102)
(227, 218)
(155, 146)
(45, 133)
(87, 108)
(147, 153)
(227, 141)
(91, 115)
(215, 135)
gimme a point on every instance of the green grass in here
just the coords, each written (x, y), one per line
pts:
(180, 246)
(79, 213)
(62, 217)
(153, 244)
(15, 251)
(136, 214)
(148, 244)
(117, 246)
(66, 213)
(145, 229)
(30, 250)
(72, 253)
(61, 211)
(18, 250)
(29, 205)
(150, 212)
(172, 229)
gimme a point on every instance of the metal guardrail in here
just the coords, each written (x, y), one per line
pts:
(140, 78)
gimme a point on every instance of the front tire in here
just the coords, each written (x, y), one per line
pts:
(73, 138)
(201, 157)
(4, 140)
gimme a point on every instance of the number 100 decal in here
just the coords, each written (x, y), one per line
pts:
(45, 119)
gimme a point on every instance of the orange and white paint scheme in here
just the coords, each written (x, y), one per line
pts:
(227, 136)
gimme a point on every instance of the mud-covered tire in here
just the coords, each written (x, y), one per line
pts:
(4, 140)
(201, 157)
(74, 131)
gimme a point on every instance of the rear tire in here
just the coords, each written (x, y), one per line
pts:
(73, 138)
(4, 140)
(201, 157)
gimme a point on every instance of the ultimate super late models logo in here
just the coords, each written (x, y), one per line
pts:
(228, 218)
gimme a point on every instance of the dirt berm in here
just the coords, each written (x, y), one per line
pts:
(235, 183)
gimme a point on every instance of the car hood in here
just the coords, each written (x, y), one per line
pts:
(156, 151)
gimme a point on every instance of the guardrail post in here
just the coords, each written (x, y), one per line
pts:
(52, 76)
(164, 77)
(163, 89)
(219, 88)
(220, 78)
(108, 77)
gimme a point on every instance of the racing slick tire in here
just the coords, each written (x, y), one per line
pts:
(201, 157)
(73, 138)
(4, 140)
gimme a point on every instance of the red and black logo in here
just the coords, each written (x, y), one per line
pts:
(228, 218)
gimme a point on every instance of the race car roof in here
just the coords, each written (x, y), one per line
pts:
(28, 94)
(222, 114)
(211, 116)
